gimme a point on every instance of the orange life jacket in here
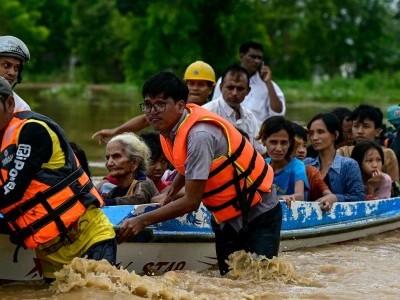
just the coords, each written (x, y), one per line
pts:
(233, 179)
(54, 200)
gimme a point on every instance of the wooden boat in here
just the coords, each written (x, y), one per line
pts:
(186, 243)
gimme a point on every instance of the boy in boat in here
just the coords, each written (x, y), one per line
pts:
(367, 126)
(209, 153)
(48, 201)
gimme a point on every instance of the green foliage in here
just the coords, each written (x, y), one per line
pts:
(94, 41)
(22, 19)
(347, 31)
(378, 88)
(53, 54)
(104, 41)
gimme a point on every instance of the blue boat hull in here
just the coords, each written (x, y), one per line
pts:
(304, 219)
(187, 242)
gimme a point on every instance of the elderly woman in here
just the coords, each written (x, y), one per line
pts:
(127, 160)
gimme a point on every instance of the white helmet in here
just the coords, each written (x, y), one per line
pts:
(12, 46)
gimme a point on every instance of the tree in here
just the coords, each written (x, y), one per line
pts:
(336, 32)
(54, 53)
(95, 39)
(22, 19)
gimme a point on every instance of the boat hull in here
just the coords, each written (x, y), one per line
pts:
(187, 242)
(142, 258)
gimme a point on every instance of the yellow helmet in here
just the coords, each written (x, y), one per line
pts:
(199, 70)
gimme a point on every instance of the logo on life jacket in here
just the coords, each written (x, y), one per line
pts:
(23, 152)
(7, 158)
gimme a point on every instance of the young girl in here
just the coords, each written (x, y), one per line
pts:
(370, 158)
(277, 135)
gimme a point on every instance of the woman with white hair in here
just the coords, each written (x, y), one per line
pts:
(127, 160)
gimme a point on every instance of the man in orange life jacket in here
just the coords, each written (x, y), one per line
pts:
(48, 201)
(217, 166)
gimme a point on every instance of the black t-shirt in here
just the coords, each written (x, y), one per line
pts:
(36, 143)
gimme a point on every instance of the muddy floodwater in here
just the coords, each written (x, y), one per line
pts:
(368, 268)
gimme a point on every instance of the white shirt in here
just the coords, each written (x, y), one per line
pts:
(248, 122)
(20, 104)
(258, 93)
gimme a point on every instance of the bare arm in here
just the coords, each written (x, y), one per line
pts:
(275, 102)
(173, 191)
(135, 124)
(326, 201)
(189, 202)
(298, 193)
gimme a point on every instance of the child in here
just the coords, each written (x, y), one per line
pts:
(369, 156)
(277, 135)
(318, 191)
(367, 125)
(158, 162)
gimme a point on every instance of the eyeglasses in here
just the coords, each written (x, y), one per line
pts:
(146, 107)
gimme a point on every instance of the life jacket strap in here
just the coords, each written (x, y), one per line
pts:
(20, 210)
(249, 191)
(53, 216)
(241, 176)
(233, 157)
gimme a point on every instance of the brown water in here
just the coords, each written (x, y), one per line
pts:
(364, 269)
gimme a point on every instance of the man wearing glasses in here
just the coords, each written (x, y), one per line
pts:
(200, 79)
(209, 153)
(265, 98)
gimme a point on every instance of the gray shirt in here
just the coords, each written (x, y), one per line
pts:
(205, 143)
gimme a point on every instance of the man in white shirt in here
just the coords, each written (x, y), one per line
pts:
(234, 87)
(265, 98)
(13, 54)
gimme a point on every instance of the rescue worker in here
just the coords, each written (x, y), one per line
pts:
(46, 198)
(13, 54)
(217, 166)
(200, 79)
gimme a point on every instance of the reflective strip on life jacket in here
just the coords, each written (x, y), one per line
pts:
(53, 201)
(243, 174)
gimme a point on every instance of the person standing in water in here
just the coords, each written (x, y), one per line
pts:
(208, 153)
(46, 198)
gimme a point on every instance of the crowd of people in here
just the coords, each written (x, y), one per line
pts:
(224, 143)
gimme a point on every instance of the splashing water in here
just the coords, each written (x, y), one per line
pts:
(84, 273)
(257, 267)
